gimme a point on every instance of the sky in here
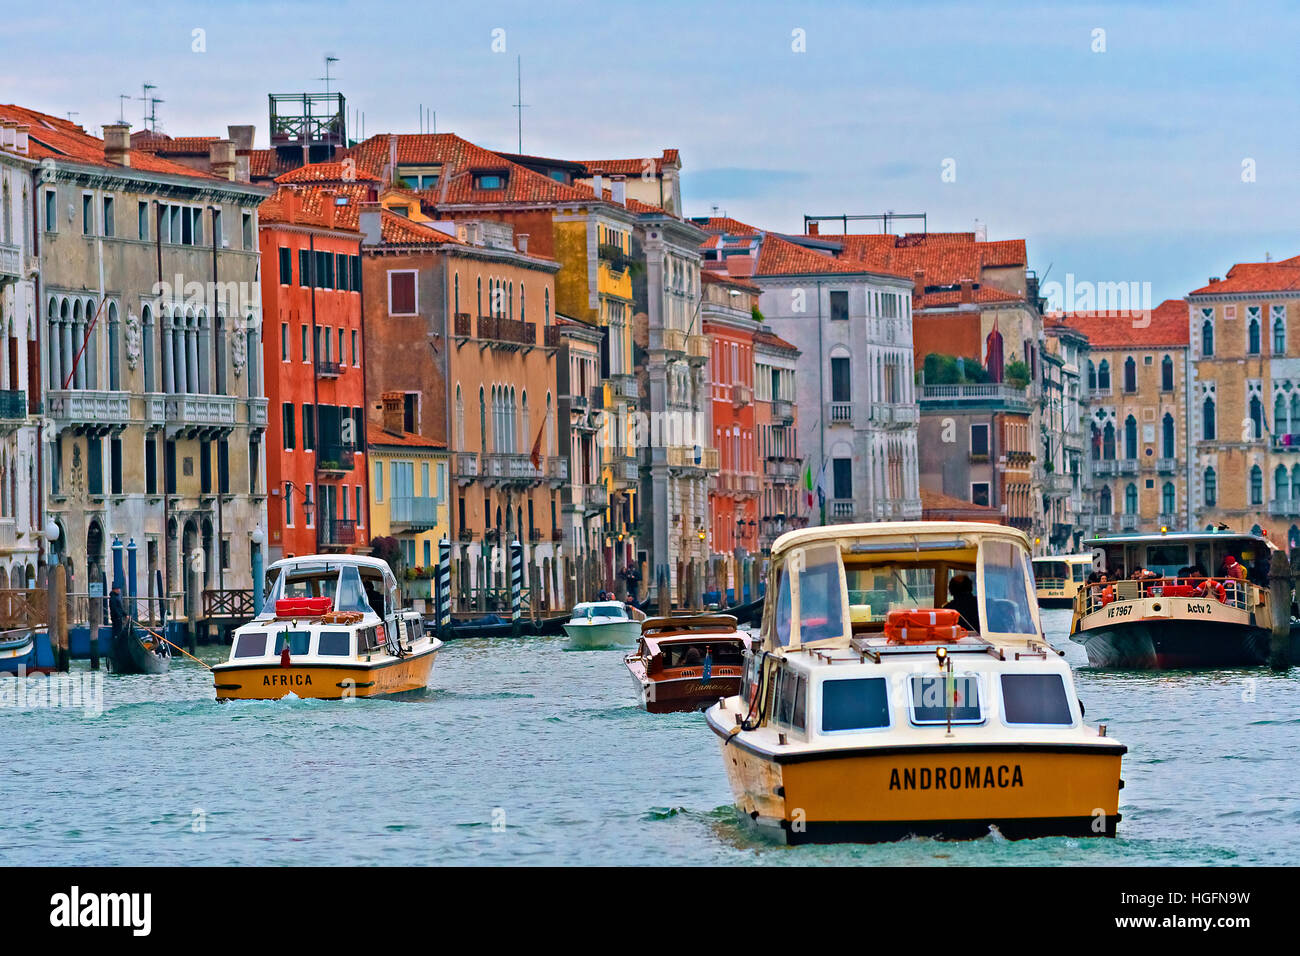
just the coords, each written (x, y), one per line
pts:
(1130, 142)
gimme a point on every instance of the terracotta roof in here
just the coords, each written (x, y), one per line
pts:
(779, 256)
(1281, 276)
(764, 337)
(378, 436)
(723, 278)
(334, 172)
(267, 163)
(945, 258)
(400, 231)
(980, 295)
(461, 161)
(724, 224)
(1167, 326)
(60, 139)
(155, 142)
(317, 205)
(935, 504)
(632, 167)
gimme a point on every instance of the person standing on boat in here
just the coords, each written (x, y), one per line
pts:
(116, 612)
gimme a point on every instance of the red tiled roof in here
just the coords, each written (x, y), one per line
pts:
(732, 227)
(779, 256)
(1166, 326)
(313, 203)
(764, 337)
(723, 278)
(631, 167)
(935, 504)
(60, 139)
(400, 231)
(267, 164)
(334, 172)
(1281, 276)
(378, 436)
(155, 142)
(945, 258)
(461, 160)
(983, 295)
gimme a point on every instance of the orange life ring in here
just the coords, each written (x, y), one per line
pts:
(1219, 591)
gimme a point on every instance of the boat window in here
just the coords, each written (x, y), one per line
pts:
(783, 610)
(1166, 559)
(692, 655)
(800, 719)
(876, 590)
(859, 703)
(1044, 570)
(251, 645)
(1035, 699)
(306, 582)
(821, 599)
(1080, 572)
(352, 596)
(937, 696)
(1005, 589)
(334, 644)
(298, 642)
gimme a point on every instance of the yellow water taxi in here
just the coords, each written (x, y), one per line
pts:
(332, 627)
(1177, 600)
(1057, 578)
(874, 712)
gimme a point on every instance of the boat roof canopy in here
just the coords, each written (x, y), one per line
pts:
(338, 560)
(900, 540)
(1068, 558)
(1181, 536)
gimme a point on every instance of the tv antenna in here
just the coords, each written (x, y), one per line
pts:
(328, 60)
(145, 88)
(520, 105)
(121, 106)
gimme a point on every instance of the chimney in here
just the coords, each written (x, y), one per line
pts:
(522, 239)
(1213, 279)
(918, 283)
(967, 291)
(20, 138)
(242, 136)
(392, 158)
(372, 224)
(619, 189)
(221, 158)
(117, 144)
(7, 128)
(598, 186)
(814, 229)
(394, 412)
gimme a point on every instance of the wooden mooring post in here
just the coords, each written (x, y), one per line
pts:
(58, 627)
(1280, 585)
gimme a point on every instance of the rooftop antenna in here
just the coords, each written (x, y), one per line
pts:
(328, 60)
(121, 106)
(153, 112)
(145, 99)
(72, 113)
(519, 102)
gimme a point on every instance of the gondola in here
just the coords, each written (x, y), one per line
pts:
(136, 651)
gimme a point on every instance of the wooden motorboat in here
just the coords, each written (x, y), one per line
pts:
(1166, 605)
(868, 715)
(687, 662)
(595, 624)
(18, 651)
(331, 628)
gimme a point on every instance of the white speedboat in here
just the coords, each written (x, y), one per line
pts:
(601, 624)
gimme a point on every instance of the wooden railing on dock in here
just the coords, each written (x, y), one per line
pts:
(23, 607)
(231, 603)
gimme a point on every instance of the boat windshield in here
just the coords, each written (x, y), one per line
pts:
(1006, 591)
(310, 581)
(876, 590)
(693, 655)
(600, 610)
(352, 596)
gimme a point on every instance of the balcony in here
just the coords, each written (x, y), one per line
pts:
(988, 393)
(557, 471)
(413, 514)
(697, 349)
(624, 387)
(13, 409)
(783, 411)
(1102, 523)
(1055, 483)
(1167, 466)
(1105, 467)
(1128, 466)
(1284, 506)
(509, 333)
(1128, 521)
(614, 257)
(692, 457)
(464, 467)
(881, 414)
(551, 336)
(625, 469)
(840, 413)
(674, 341)
(329, 369)
(335, 458)
(591, 498)
(509, 469)
(11, 261)
(840, 509)
(1170, 521)
(906, 414)
(336, 533)
(781, 470)
(741, 395)
(90, 411)
(192, 416)
(463, 328)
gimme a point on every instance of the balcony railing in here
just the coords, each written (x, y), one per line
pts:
(781, 470)
(1284, 506)
(557, 469)
(881, 414)
(90, 407)
(741, 395)
(413, 514)
(697, 349)
(625, 468)
(329, 369)
(997, 392)
(339, 532)
(841, 509)
(674, 341)
(1170, 521)
(624, 386)
(592, 497)
(551, 336)
(1128, 466)
(1104, 467)
(1167, 466)
(464, 466)
(841, 413)
(1102, 522)
(509, 331)
(509, 467)
(463, 327)
(782, 410)
(906, 414)
(614, 256)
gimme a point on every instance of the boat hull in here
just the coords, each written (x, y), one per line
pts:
(613, 634)
(18, 652)
(1174, 645)
(890, 793)
(324, 681)
(129, 656)
(678, 695)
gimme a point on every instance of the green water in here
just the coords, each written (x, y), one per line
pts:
(525, 753)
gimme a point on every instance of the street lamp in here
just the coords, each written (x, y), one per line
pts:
(52, 533)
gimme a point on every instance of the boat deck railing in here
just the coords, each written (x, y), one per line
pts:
(1235, 593)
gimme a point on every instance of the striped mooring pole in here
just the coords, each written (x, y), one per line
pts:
(516, 583)
(444, 586)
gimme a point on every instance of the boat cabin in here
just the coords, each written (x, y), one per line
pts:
(670, 643)
(1171, 555)
(590, 610)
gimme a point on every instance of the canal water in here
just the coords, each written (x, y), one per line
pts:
(525, 753)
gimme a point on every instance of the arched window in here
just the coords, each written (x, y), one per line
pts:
(1168, 503)
(146, 348)
(1257, 417)
(1208, 431)
(1130, 499)
(1103, 376)
(547, 303)
(1207, 338)
(1279, 416)
(456, 287)
(1108, 442)
(1105, 502)
(1130, 375)
(1167, 374)
(523, 310)
(1130, 437)
(1256, 485)
(1210, 486)
(1279, 336)
(1167, 436)
(1295, 482)
(482, 421)
(1252, 336)
(114, 348)
(480, 297)
(1092, 375)
(1281, 483)
(1096, 442)
(460, 420)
